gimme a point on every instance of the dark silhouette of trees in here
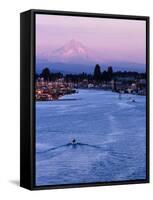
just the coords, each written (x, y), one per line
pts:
(46, 74)
(105, 76)
(97, 73)
(97, 77)
(55, 76)
(78, 77)
(110, 73)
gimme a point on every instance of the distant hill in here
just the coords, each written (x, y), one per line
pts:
(79, 68)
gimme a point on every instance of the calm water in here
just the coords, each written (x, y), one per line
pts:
(110, 136)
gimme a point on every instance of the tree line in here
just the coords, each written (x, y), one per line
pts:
(97, 76)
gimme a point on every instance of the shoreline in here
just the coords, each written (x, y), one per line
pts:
(87, 89)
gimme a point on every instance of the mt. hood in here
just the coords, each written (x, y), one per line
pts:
(71, 52)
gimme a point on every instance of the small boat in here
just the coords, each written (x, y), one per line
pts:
(73, 141)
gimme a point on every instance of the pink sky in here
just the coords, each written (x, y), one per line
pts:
(112, 39)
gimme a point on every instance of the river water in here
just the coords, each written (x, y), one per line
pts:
(110, 138)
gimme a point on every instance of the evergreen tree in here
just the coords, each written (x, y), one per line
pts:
(105, 76)
(110, 73)
(97, 73)
(46, 74)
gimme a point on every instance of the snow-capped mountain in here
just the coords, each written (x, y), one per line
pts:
(72, 52)
(74, 57)
(72, 49)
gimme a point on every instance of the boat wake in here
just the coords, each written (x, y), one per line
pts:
(75, 145)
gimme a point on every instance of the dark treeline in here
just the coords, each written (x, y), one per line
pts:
(98, 76)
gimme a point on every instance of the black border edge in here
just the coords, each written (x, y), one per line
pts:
(32, 13)
(148, 99)
(87, 14)
(25, 119)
